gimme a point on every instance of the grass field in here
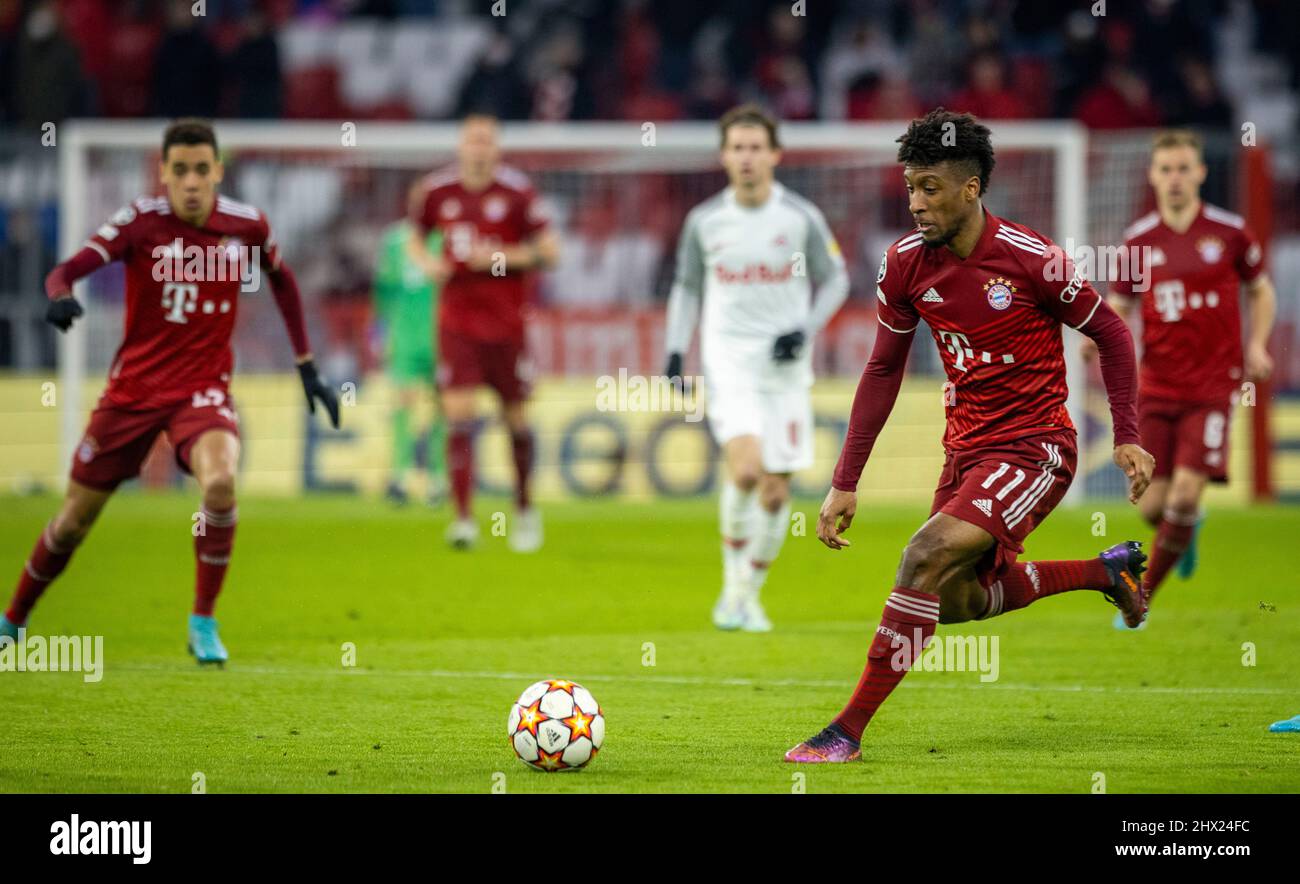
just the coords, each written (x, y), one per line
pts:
(444, 642)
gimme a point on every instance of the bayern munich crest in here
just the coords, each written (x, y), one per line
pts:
(1211, 249)
(1000, 292)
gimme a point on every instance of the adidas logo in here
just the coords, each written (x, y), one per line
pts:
(985, 506)
(932, 296)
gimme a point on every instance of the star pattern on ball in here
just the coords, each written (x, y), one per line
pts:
(579, 724)
(530, 717)
(559, 684)
(549, 760)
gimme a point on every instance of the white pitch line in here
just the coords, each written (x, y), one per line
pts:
(701, 681)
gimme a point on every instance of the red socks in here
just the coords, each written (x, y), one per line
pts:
(212, 548)
(1173, 534)
(906, 627)
(460, 464)
(1027, 582)
(521, 445)
(46, 562)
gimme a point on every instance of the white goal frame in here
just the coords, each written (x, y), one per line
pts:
(1067, 140)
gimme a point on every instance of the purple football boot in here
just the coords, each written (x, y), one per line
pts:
(831, 746)
(1125, 563)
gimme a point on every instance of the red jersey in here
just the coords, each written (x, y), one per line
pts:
(182, 295)
(478, 304)
(996, 317)
(1191, 307)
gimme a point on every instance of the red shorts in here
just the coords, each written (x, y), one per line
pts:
(1007, 489)
(467, 362)
(1181, 434)
(118, 440)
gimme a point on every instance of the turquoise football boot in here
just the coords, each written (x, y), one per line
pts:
(9, 629)
(1290, 726)
(1119, 623)
(205, 642)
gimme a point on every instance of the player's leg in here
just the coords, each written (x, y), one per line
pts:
(771, 524)
(743, 468)
(59, 539)
(114, 446)
(526, 532)
(460, 372)
(436, 454)
(1177, 524)
(213, 458)
(406, 394)
(942, 554)
(458, 405)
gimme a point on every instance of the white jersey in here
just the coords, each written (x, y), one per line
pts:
(754, 269)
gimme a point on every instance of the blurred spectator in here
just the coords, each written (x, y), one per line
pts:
(255, 71)
(496, 84)
(986, 94)
(1122, 100)
(1198, 102)
(187, 70)
(49, 86)
(883, 98)
(867, 50)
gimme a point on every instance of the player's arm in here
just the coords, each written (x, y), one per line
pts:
(108, 244)
(422, 215)
(831, 278)
(1262, 309)
(1082, 307)
(684, 298)
(541, 251)
(284, 289)
(872, 403)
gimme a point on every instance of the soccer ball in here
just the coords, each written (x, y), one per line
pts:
(556, 725)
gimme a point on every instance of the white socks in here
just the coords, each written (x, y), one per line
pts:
(736, 522)
(750, 534)
(769, 536)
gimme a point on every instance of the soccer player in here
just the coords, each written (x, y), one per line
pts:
(994, 297)
(1195, 257)
(494, 233)
(172, 371)
(404, 300)
(752, 254)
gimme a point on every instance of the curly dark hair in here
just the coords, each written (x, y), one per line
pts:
(944, 136)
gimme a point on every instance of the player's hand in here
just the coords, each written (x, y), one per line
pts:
(1088, 350)
(835, 517)
(674, 369)
(1259, 365)
(1138, 465)
(436, 267)
(788, 347)
(315, 388)
(481, 258)
(62, 311)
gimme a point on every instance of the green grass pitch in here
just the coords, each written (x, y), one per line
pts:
(445, 641)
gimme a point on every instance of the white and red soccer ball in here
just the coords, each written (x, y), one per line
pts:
(556, 725)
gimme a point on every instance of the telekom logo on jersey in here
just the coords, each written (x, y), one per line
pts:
(228, 261)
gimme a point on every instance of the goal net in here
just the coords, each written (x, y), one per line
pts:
(618, 194)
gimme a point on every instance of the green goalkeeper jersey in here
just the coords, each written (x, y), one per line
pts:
(406, 300)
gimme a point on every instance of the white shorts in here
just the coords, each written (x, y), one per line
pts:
(781, 419)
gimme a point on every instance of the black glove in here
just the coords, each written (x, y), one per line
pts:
(674, 370)
(62, 311)
(315, 389)
(788, 347)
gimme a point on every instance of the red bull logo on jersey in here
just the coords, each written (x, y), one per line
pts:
(754, 274)
(1000, 293)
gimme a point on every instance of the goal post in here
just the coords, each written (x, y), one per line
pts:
(307, 176)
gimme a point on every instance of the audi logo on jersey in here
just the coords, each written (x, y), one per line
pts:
(754, 273)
